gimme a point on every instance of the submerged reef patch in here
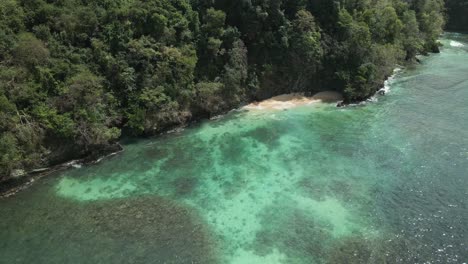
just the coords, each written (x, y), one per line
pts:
(145, 229)
(165, 230)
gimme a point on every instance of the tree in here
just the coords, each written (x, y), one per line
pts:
(214, 22)
(209, 97)
(30, 51)
(10, 156)
(386, 25)
(412, 42)
(431, 22)
(235, 73)
(92, 110)
(12, 16)
(306, 50)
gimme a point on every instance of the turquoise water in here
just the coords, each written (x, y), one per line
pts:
(384, 182)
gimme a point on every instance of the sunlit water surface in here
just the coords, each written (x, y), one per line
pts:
(386, 182)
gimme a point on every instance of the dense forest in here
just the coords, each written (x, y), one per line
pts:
(76, 75)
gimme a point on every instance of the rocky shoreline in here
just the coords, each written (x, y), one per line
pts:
(13, 185)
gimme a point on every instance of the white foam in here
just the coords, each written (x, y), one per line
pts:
(386, 88)
(457, 44)
(76, 165)
(382, 91)
(216, 117)
(175, 130)
(70, 163)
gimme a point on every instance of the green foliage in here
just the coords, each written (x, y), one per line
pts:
(214, 22)
(30, 51)
(387, 25)
(412, 42)
(306, 39)
(74, 73)
(431, 21)
(60, 124)
(12, 16)
(91, 109)
(235, 74)
(7, 114)
(209, 97)
(10, 155)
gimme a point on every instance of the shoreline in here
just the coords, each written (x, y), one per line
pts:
(12, 186)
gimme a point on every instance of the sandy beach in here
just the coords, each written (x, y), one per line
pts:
(287, 101)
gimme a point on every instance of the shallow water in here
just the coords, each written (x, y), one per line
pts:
(381, 183)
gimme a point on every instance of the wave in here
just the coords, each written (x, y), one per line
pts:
(78, 166)
(74, 163)
(101, 158)
(456, 44)
(385, 89)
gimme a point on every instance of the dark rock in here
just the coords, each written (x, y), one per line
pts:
(341, 104)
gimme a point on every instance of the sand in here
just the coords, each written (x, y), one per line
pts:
(287, 101)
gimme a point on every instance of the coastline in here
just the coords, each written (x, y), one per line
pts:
(13, 185)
